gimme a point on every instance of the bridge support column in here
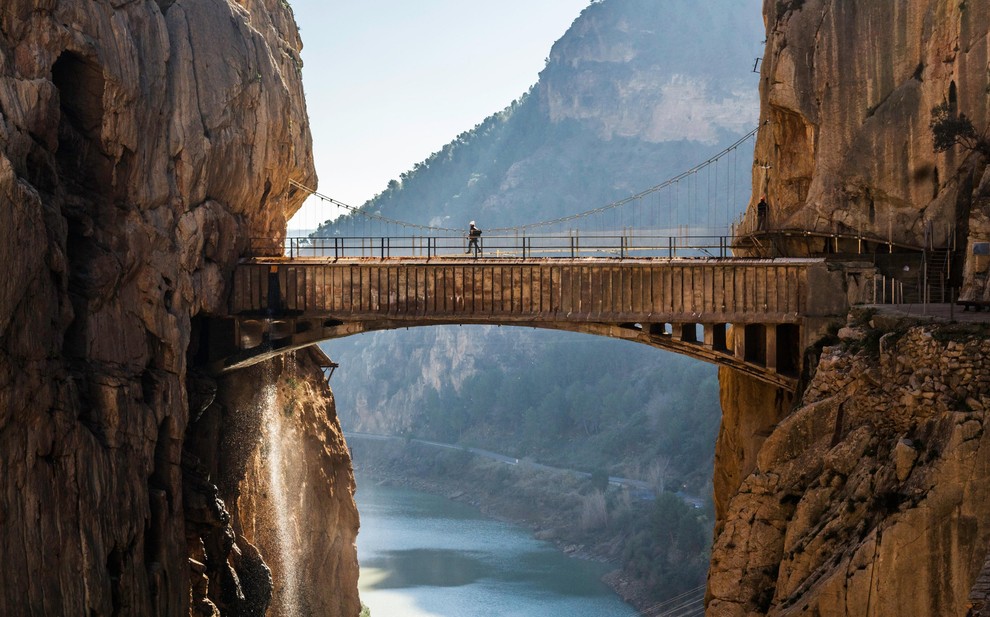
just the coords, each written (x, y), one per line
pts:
(739, 342)
(771, 347)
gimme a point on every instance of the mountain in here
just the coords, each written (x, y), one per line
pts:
(634, 92)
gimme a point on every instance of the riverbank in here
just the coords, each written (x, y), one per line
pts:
(560, 507)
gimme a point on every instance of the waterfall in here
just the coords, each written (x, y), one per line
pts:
(286, 593)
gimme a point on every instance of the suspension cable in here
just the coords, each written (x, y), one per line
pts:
(674, 181)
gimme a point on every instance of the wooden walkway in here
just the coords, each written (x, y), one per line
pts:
(685, 305)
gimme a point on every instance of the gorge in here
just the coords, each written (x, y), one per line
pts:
(144, 144)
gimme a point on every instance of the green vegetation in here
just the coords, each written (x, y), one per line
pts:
(563, 399)
(950, 129)
(669, 547)
(556, 150)
(572, 143)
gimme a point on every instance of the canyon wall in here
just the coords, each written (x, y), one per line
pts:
(283, 472)
(870, 498)
(866, 495)
(847, 91)
(143, 144)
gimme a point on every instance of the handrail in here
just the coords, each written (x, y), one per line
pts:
(795, 232)
(571, 246)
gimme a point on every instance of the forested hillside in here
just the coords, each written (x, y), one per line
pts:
(560, 398)
(635, 92)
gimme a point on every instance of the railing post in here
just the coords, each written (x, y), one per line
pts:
(622, 247)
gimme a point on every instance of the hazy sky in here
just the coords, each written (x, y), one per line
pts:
(389, 82)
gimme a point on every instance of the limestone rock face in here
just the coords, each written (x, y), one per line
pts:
(283, 470)
(143, 144)
(635, 69)
(847, 90)
(871, 497)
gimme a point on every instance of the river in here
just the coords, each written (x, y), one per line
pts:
(426, 556)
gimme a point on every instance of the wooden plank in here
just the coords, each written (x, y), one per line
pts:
(718, 290)
(558, 304)
(498, 289)
(762, 289)
(520, 289)
(458, 286)
(756, 296)
(612, 294)
(581, 294)
(431, 290)
(378, 295)
(346, 284)
(656, 290)
(645, 301)
(526, 289)
(564, 283)
(795, 283)
(708, 289)
(628, 302)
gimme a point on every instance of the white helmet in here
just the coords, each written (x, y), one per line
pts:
(472, 222)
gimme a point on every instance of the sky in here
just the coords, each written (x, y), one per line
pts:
(390, 82)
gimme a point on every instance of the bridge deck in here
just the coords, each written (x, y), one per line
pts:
(681, 290)
(684, 305)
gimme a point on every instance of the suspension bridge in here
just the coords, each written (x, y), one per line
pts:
(632, 269)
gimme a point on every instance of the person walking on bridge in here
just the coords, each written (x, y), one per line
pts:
(474, 240)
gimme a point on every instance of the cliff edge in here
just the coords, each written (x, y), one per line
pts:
(847, 91)
(869, 498)
(867, 493)
(143, 145)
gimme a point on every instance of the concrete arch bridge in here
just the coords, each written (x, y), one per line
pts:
(754, 315)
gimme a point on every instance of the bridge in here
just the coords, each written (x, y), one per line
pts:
(754, 315)
(633, 269)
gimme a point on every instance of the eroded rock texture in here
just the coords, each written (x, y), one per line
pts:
(871, 498)
(283, 470)
(142, 145)
(847, 90)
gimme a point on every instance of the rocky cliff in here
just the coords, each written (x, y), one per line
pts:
(847, 92)
(142, 145)
(867, 494)
(870, 498)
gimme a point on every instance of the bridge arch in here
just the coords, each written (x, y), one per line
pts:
(755, 316)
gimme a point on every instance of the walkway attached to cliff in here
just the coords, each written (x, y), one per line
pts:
(640, 269)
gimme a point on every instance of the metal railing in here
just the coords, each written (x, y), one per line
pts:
(572, 246)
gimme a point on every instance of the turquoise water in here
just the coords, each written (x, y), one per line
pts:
(425, 556)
